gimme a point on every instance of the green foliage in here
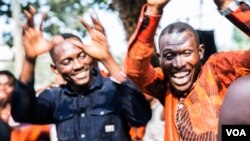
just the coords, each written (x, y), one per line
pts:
(241, 39)
(64, 15)
(61, 15)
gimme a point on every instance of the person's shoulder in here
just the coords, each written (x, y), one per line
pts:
(241, 85)
(51, 91)
(235, 107)
(238, 91)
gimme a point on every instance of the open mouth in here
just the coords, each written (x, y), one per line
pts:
(181, 77)
(81, 74)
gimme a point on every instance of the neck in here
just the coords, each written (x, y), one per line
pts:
(84, 87)
(79, 88)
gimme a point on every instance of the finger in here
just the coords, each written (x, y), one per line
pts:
(86, 25)
(32, 10)
(76, 42)
(41, 24)
(24, 27)
(26, 36)
(89, 29)
(97, 24)
(29, 16)
(56, 40)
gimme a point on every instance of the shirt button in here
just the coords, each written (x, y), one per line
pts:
(180, 106)
(82, 135)
(102, 113)
(82, 115)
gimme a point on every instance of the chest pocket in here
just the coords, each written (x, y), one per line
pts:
(104, 123)
(64, 125)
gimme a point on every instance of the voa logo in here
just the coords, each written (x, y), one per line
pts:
(236, 132)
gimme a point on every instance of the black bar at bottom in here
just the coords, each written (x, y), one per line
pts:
(235, 132)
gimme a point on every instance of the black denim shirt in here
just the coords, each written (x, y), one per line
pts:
(103, 112)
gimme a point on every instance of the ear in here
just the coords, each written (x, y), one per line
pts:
(158, 57)
(201, 50)
(54, 69)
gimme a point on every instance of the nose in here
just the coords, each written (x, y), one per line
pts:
(178, 62)
(2, 87)
(77, 64)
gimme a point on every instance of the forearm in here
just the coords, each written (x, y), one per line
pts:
(141, 47)
(114, 69)
(28, 71)
(26, 107)
(238, 13)
(21, 101)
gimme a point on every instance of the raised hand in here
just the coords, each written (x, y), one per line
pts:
(221, 4)
(98, 47)
(33, 41)
(156, 6)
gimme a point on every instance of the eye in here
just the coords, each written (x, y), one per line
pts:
(66, 62)
(9, 85)
(169, 55)
(187, 53)
(82, 55)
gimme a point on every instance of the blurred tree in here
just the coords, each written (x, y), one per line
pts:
(64, 15)
(241, 39)
(129, 11)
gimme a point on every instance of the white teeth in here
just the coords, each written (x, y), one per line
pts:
(181, 78)
(181, 74)
(80, 75)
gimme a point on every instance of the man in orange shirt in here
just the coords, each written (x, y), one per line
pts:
(192, 94)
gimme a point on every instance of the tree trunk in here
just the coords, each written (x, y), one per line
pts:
(129, 11)
(17, 37)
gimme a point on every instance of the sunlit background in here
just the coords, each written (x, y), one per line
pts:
(201, 14)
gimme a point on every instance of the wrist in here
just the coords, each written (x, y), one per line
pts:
(111, 65)
(118, 77)
(223, 4)
(149, 25)
(154, 10)
(31, 60)
(229, 7)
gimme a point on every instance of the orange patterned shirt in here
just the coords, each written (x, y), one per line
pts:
(194, 117)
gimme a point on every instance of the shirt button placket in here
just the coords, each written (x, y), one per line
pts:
(82, 136)
(82, 115)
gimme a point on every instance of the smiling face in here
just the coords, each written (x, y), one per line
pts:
(6, 84)
(180, 56)
(72, 64)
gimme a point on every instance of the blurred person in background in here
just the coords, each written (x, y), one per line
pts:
(5, 129)
(19, 132)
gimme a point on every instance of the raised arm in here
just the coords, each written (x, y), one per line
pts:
(237, 12)
(34, 45)
(141, 45)
(24, 106)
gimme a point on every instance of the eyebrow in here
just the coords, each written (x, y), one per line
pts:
(174, 43)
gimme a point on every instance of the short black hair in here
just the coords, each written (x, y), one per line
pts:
(179, 27)
(8, 74)
(70, 35)
(64, 36)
